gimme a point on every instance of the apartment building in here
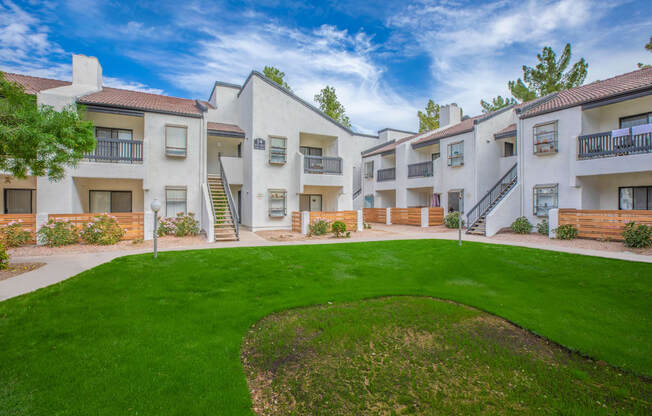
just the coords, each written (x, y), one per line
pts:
(249, 155)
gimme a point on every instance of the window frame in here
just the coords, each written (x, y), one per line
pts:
(513, 150)
(31, 200)
(175, 188)
(535, 198)
(270, 193)
(367, 174)
(620, 123)
(554, 141)
(647, 199)
(112, 130)
(168, 147)
(450, 154)
(131, 198)
(278, 151)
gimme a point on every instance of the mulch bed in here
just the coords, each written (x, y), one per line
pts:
(18, 268)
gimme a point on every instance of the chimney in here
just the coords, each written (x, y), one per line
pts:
(86, 71)
(449, 114)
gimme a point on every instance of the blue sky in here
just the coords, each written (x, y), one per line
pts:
(384, 59)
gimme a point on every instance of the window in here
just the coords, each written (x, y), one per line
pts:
(435, 156)
(109, 133)
(310, 151)
(509, 149)
(19, 201)
(546, 197)
(637, 120)
(176, 140)
(175, 201)
(277, 203)
(635, 197)
(369, 169)
(545, 138)
(368, 201)
(239, 149)
(277, 150)
(310, 202)
(456, 154)
(109, 201)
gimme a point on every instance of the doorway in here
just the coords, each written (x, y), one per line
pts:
(310, 202)
(455, 203)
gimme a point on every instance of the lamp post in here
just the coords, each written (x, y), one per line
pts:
(156, 206)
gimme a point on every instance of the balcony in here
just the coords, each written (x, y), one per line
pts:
(420, 170)
(621, 151)
(117, 151)
(384, 175)
(322, 165)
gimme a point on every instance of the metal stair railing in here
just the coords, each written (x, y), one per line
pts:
(494, 195)
(229, 198)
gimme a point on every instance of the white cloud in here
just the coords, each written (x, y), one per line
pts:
(129, 85)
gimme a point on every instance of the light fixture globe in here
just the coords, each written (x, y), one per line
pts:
(155, 205)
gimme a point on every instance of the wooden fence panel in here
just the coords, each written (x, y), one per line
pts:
(28, 222)
(399, 215)
(350, 218)
(132, 222)
(375, 215)
(296, 221)
(435, 216)
(603, 224)
(414, 216)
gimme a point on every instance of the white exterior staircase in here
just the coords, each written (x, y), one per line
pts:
(477, 216)
(225, 226)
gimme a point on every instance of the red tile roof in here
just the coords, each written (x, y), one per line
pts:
(229, 128)
(622, 84)
(506, 132)
(463, 126)
(391, 146)
(34, 85)
(115, 97)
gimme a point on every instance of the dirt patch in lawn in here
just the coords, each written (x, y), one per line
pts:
(286, 235)
(582, 243)
(407, 355)
(16, 269)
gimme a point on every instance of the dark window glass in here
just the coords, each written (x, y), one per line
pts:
(509, 149)
(109, 201)
(18, 201)
(636, 120)
(635, 197)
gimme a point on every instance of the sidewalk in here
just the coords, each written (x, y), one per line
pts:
(62, 267)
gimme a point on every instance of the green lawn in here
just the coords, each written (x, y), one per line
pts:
(418, 355)
(139, 336)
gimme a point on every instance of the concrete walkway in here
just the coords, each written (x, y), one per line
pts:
(62, 267)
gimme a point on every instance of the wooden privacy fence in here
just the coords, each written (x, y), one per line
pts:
(374, 215)
(296, 221)
(602, 224)
(350, 218)
(407, 216)
(28, 222)
(435, 216)
(132, 222)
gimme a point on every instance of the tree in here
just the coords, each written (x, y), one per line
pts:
(430, 119)
(548, 75)
(496, 104)
(648, 46)
(39, 140)
(328, 103)
(277, 76)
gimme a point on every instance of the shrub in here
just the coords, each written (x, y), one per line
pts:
(451, 220)
(319, 226)
(542, 227)
(339, 229)
(186, 225)
(637, 236)
(13, 234)
(521, 226)
(566, 232)
(366, 226)
(4, 258)
(58, 233)
(103, 230)
(167, 226)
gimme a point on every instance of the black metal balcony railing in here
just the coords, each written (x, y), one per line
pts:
(420, 170)
(599, 145)
(388, 174)
(322, 164)
(117, 151)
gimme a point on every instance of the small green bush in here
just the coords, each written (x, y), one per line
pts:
(13, 235)
(4, 258)
(521, 225)
(637, 236)
(104, 230)
(339, 229)
(58, 233)
(319, 226)
(451, 220)
(566, 232)
(542, 227)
